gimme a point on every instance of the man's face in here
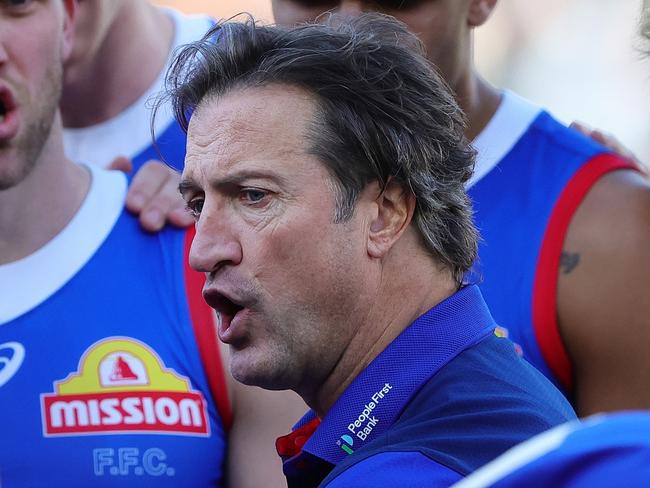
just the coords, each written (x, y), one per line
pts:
(35, 37)
(441, 25)
(285, 279)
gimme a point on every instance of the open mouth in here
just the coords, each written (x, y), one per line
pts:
(226, 308)
(7, 103)
(8, 114)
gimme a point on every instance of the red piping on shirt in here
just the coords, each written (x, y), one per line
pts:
(545, 323)
(206, 337)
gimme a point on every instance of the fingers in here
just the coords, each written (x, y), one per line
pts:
(153, 195)
(180, 217)
(610, 142)
(581, 127)
(121, 163)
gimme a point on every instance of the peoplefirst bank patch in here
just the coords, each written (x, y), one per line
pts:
(121, 385)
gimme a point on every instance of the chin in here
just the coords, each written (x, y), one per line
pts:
(253, 370)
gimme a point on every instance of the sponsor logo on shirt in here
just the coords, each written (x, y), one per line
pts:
(12, 355)
(346, 442)
(366, 421)
(121, 385)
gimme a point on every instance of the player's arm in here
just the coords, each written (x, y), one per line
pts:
(603, 295)
(259, 418)
(153, 195)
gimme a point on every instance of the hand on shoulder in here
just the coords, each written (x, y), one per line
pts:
(153, 195)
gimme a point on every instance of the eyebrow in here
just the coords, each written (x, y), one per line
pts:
(188, 185)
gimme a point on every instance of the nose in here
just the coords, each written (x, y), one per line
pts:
(214, 244)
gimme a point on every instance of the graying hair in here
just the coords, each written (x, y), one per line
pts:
(384, 114)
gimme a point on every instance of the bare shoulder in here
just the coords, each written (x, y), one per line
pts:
(604, 297)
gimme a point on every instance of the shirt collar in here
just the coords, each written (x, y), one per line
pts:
(375, 399)
(504, 130)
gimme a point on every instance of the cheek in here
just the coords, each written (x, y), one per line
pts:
(298, 257)
(286, 251)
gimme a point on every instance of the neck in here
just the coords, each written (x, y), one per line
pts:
(128, 62)
(38, 208)
(477, 98)
(407, 287)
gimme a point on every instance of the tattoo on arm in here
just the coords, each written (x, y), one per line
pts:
(568, 261)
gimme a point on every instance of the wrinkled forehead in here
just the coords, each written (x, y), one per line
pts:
(267, 123)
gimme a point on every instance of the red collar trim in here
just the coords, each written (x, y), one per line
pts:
(291, 444)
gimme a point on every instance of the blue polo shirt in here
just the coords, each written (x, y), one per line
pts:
(445, 397)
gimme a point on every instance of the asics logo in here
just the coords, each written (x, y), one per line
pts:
(12, 355)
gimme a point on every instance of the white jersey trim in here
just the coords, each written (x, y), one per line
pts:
(28, 282)
(129, 133)
(511, 120)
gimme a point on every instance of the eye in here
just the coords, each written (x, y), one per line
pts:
(195, 206)
(16, 4)
(253, 195)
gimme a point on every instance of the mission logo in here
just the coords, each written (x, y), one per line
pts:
(121, 385)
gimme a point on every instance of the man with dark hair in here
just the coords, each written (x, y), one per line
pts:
(564, 222)
(334, 230)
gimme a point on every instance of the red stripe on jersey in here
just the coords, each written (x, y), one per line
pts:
(545, 321)
(206, 336)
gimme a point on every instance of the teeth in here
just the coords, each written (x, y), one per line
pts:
(219, 319)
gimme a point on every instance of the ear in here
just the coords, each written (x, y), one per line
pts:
(479, 11)
(395, 209)
(69, 14)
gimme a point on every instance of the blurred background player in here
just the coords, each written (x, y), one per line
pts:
(565, 223)
(108, 360)
(118, 64)
(604, 450)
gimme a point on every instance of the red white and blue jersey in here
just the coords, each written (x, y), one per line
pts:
(444, 398)
(604, 450)
(129, 132)
(102, 335)
(532, 173)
